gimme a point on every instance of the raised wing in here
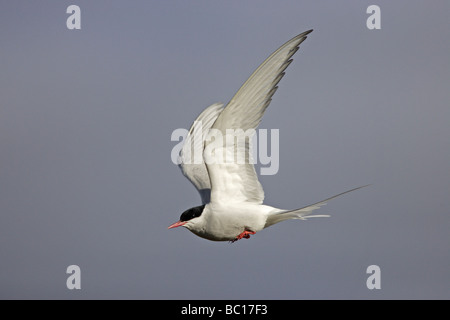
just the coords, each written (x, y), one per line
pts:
(191, 155)
(246, 108)
(232, 181)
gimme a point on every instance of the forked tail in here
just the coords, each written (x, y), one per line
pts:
(302, 213)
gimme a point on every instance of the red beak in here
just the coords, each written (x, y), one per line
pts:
(177, 224)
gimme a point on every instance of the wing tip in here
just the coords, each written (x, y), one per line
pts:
(300, 38)
(303, 35)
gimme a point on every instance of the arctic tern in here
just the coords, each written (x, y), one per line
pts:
(232, 197)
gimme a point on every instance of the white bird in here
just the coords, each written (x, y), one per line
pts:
(231, 194)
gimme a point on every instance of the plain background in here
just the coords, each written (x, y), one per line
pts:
(86, 177)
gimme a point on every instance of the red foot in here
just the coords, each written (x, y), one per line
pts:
(246, 234)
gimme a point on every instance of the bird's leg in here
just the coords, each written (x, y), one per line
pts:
(246, 234)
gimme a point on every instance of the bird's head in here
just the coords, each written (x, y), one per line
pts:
(190, 218)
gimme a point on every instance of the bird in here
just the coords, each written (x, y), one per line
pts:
(232, 196)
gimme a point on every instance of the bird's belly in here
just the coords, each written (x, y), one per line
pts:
(225, 224)
(216, 235)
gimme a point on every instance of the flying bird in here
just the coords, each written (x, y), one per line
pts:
(232, 197)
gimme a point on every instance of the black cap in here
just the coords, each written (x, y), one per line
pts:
(192, 213)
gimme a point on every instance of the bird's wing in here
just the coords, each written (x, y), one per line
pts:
(191, 155)
(230, 180)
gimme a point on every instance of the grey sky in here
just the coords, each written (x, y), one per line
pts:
(86, 178)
